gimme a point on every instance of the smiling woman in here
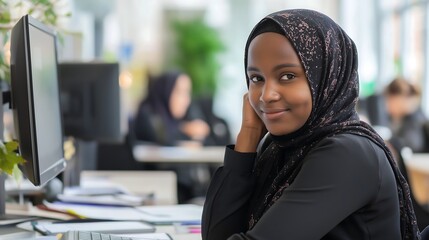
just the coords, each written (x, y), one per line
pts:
(304, 166)
(278, 87)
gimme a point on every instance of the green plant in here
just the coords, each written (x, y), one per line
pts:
(46, 11)
(9, 159)
(197, 49)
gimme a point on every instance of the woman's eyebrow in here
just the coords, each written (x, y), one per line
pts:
(252, 69)
(280, 66)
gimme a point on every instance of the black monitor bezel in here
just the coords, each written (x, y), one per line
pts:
(89, 78)
(24, 116)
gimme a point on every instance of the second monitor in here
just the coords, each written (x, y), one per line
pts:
(90, 100)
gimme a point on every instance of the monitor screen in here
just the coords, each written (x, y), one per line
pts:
(90, 100)
(376, 110)
(36, 100)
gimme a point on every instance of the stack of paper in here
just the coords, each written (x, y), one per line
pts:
(107, 227)
(162, 214)
(113, 200)
(104, 196)
(171, 213)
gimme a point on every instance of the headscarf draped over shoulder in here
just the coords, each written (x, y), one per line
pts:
(330, 60)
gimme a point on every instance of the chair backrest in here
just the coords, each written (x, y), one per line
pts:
(426, 132)
(376, 110)
(425, 233)
(422, 214)
(119, 156)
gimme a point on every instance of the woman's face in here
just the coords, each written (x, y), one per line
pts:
(400, 105)
(278, 87)
(180, 97)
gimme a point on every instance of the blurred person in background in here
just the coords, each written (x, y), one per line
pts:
(406, 117)
(161, 115)
(161, 119)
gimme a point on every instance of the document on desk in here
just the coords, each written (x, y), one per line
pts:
(155, 214)
(112, 200)
(96, 211)
(168, 214)
(108, 227)
(149, 236)
(103, 196)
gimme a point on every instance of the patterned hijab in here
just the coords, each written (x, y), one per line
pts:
(158, 101)
(330, 60)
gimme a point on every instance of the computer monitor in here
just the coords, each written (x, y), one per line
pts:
(35, 100)
(35, 104)
(90, 100)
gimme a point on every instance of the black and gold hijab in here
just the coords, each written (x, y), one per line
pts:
(330, 60)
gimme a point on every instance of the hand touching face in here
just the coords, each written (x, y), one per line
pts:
(279, 91)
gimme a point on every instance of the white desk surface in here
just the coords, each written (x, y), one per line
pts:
(417, 166)
(150, 153)
(162, 183)
(170, 229)
(136, 181)
(418, 162)
(21, 233)
(178, 236)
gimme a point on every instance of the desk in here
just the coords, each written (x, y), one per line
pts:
(162, 183)
(137, 182)
(178, 236)
(418, 171)
(13, 233)
(161, 154)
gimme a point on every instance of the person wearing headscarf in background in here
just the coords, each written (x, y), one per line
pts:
(161, 115)
(406, 117)
(160, 120)
(319, 172)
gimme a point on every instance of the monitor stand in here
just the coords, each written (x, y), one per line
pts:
(6, 219)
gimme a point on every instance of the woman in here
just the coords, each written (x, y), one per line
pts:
(161, 116)
(161, 120)
(320, 173)
(406, 117)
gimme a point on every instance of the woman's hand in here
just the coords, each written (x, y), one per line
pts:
(196, 129)
(252, 129)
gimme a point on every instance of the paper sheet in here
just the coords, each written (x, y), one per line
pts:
(108, 227)
(155, 214)
(97, 212)
(166, 214)
(149, 236)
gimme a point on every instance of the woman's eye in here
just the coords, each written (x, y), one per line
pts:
(256, 79)
(288, 76)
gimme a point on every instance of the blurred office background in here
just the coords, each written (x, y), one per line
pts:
(206, 39)
(391, 36)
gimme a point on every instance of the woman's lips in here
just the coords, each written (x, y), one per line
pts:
(273, 114)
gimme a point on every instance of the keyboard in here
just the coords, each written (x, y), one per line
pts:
(82, 235)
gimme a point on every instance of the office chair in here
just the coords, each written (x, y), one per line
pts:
(422, 214)
(425, 233)
(375, 106)
(426, 131)
(119, 156)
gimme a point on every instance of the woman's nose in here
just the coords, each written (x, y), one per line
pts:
(269, 92)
